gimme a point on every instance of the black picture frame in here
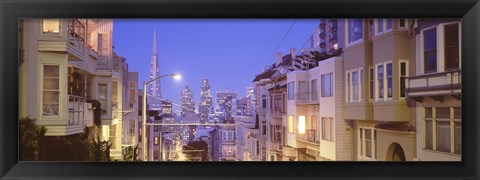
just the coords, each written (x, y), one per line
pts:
(10, 11)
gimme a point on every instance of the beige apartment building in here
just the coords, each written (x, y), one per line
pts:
(64, 63)
(435, 89)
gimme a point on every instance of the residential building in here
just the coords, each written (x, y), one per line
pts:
(224, 143)
(247, 143)
(434, 89)
(66, 64)
(331, 34)
(226, 102)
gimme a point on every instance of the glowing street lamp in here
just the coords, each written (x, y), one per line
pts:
(144, 111)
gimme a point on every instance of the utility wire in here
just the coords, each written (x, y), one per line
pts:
(281, 42)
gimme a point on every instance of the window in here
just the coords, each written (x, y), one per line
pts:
(102, 97)
(301, 124)
(368, 143)
(389, 80)
(155, 128)
(442, 124)
(360, 85)
(327, 128)
(291, 90)
(402, 23)
(368, 139)
(389, 24)
(355, 85)
(379, 26)
(355, 30)
(112, 133)
(264, 101)
(452, 56)
(302, 90)
(361, 141)
(51, 26)
(430, 50)
(139, 132)
(228, 150)
(371, 88)
(380, 81)
(384, 76)
(228, 135)
(313, 89)
(156, 140)
(258, 148)
(51, 90)
(327, 85)
(403, 74)
(155, 154)
(371, 28)
(290, 124)
(348, 90)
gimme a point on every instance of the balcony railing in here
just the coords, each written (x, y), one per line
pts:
(277, 113)
(312, 136)
(115, 110)
(306, 98)
(76, 110)
(442, 83)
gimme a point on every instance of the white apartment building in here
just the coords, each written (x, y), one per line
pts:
(66, 62)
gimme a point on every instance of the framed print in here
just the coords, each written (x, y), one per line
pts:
(239, 89)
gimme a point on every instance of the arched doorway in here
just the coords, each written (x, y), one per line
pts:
(395, 153)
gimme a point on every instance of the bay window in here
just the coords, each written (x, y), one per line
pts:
(442, 125)
(389, 80)
(384, 78)
(355, 85)
(102, 97)
(452, 55)
(291, 90)
(291, 124)
(327, 85)
(51, 26)
(51, 90)
(380, 81)
(355, 30)
(430, 50)
(327, 128)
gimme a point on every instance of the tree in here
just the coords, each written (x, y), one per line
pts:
(29, 137)
(131, 153)
(196, 151)
(101, 150)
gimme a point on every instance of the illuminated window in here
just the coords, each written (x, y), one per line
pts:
(156, 140)
(301, 124)
(290, 124)
(51, 26)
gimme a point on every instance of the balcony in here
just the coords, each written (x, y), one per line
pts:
(306, 98)
(311, 136)
(434, 85)
(76, 110)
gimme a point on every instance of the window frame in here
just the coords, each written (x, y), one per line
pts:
(347, 33)
(291, 90)
(451, 122)
(400, 78)
(362, 147)
(384, 81)
(60, 30)
(291, 124)
(422, 53)
(371, 83)
(384, 26)
(322, 83)
(406, 24)
(59, 115)
(331, 127)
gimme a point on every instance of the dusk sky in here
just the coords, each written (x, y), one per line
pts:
(228, 52)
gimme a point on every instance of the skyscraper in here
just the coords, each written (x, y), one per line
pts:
(205, 101)
(187, 114)
(154, 89)
(251, 101)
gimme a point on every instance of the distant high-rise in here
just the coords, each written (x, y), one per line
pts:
(251, 101)
(187, 114)
(226, 101)
(205, 104)
(154, 89)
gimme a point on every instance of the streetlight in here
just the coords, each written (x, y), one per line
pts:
(144, 112)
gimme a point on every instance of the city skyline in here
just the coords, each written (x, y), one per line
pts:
(252, 42)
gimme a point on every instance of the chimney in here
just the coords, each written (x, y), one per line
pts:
(279, 58)
(293, 52)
